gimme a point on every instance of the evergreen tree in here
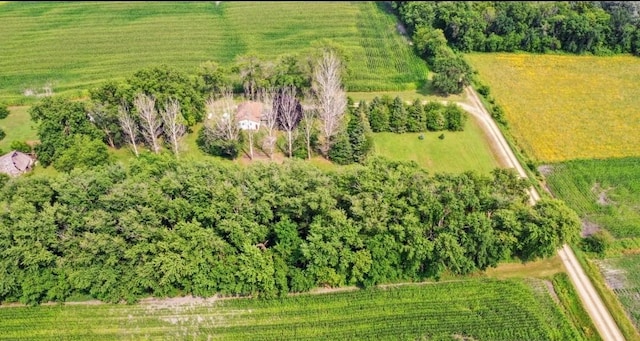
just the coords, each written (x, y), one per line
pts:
(341, 151)
(435, 119)
(378, 116)
(398, 116)
(415, 117)
(455, 117)
(359, 138)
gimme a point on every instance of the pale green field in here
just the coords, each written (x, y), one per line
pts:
(567, 107)
(77, 45)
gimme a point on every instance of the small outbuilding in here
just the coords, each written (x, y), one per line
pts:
(15, 163)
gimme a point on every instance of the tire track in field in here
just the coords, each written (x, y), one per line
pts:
(592, 302)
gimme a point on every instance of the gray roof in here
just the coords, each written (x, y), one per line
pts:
(15, 163)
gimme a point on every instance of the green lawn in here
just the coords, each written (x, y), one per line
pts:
(457, 152)
(487, 309)
(17, 126)
(74, 46)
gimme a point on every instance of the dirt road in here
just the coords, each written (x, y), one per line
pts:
(591, 300)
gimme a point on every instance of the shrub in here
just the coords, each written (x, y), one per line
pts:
(2, 134)
(441, 136)
(484, 90)
(20, 146)
(4, 111)
(597, 243)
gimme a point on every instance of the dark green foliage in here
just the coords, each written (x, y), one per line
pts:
(455, 117)
(164, 82)
(2, 134)
(378, 116)
(228, 149)
(58, 121)
(4, 111)
(441, 136)
(83, 152)
(162, 227)
(597, 243)
(575, 27)
(211, 79)
(21, 146)
(398, 116)
(358, 131)
(416, 120)
(484, 90)
(341, 151)
(452, 74)
(434, 116)
(498, 114)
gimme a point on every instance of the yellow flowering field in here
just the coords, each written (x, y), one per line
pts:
(562, 107)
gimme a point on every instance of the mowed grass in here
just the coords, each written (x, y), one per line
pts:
(475, 309)
(458, 152)
(18, 127)
(77, 45)
(563, 107)
(604, 192)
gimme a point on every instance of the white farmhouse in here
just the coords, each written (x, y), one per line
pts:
(249, 115)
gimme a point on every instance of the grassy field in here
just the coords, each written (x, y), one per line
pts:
(457, 152)
(567, 107)
(76, 45)
(18, 127)
(603, 192)
(513, 309)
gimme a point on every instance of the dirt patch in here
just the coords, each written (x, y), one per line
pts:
(462, 337)
(545, 170)
(603, 199)
(552, 291)
(589, 228)
(614, 278)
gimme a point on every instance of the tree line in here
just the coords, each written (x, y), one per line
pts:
(442, 30)
(164, 227)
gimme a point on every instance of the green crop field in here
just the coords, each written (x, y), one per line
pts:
(467, 150)
(604, 192)
(563, 107)
(470, 310)
(73, 46)
(622, 275)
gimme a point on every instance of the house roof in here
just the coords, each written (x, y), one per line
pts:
(15, 163)
(250, 111)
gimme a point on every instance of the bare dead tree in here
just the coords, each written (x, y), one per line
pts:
(100, 117)
(331, 98)
(288, 109)
(222, 121)
(308, 122)
(269, 119)
(172, 121)
(128, 125)
(149, 120)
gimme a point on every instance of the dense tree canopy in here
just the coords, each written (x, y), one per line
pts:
(161, 227)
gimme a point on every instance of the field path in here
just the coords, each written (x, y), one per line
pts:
(592, 302)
